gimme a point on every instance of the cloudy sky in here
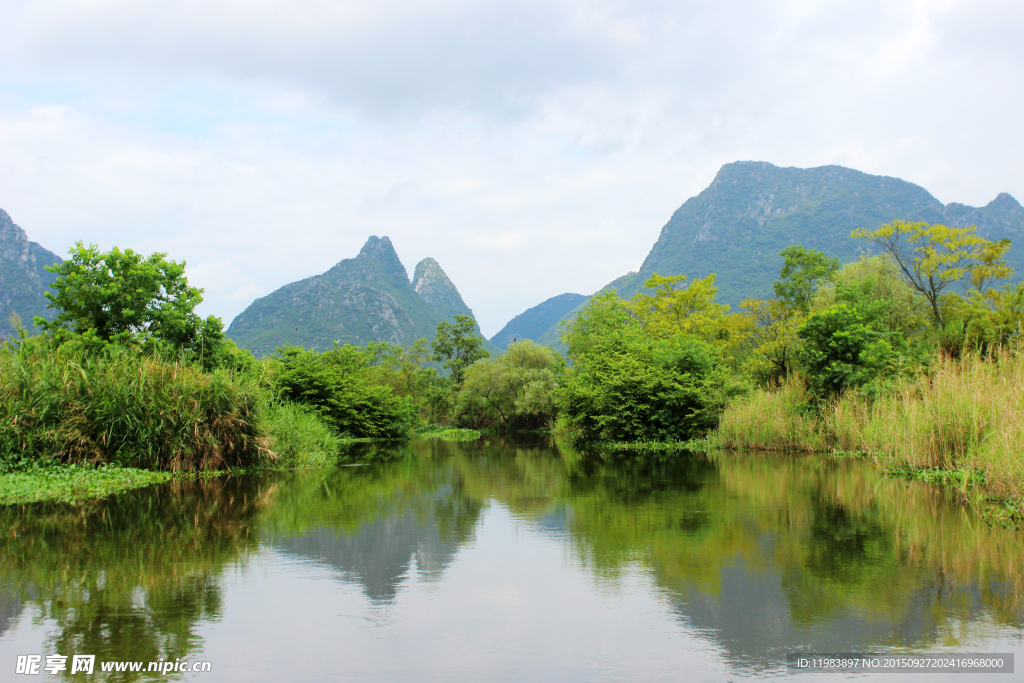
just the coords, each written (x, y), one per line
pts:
(531, 147)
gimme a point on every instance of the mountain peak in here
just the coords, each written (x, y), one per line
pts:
(381, 250)
(433, 286)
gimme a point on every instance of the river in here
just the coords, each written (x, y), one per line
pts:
(511, 561)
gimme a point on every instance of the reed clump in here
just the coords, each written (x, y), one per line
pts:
(777, 419)
(122, 407)
(960, 414)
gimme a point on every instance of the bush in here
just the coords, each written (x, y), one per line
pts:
(841, 352)
(628, 386)
(337, 386)
(119, 406)
(515, 391)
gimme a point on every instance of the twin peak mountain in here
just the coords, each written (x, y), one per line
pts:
(359, 300)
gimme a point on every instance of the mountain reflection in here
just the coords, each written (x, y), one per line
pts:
(758, 555)
(762, 555)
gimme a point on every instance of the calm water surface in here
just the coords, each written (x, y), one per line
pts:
(496, 561)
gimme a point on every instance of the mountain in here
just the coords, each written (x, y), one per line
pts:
(752, 210)
(361, 299)
(534, 322)
(23, 278)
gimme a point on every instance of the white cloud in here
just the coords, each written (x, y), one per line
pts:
(533, 148)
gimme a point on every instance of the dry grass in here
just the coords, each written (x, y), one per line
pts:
(964, 413)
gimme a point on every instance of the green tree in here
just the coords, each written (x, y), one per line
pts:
(875, 286)
(804, 271)
(514, 391)
(771, 338)
(121, 297)
(338, 386)
(626, 385)
(674, 309)
(933, 257)
(458, 346)
(841, 351)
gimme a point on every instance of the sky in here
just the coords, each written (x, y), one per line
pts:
(532, 148)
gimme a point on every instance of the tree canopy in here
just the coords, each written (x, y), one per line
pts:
(458, 346)
(933, 257)
(123, 297)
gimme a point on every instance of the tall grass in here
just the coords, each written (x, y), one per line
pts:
(299, 438)
(779, 419)
(965, 413)
(122, 407)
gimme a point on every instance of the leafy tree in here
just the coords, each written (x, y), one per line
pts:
(841, 352)
(933, 257)
(674, 309)
(458, 346)
(626, 385)
(804, 271)
(772, 338)
(121, 297)
(337, 385)
(874, 285)
(982, 322)
(514, 391)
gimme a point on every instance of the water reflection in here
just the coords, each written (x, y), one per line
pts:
(755, 556)
(127, 578)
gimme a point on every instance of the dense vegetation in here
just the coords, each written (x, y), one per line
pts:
(912, 355)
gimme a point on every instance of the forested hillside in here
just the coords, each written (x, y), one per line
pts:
(752, 210)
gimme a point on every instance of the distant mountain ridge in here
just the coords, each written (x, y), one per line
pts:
(534, 322)
(361, 299)
(752, 210)
(23, 277)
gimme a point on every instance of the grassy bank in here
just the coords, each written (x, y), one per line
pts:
(122, 408)
(962, 415)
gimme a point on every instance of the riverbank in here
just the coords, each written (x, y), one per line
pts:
(961, 421)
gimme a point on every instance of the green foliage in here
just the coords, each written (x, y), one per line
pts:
(68, 483)
(338, 386)
(458, 346)
(933, 257)
(123, 407)
(121, 297)
(628, 386)
(451, 434)
(298, 436)
(982, 322)
(515, 391)
(771, 339)
(875, 286)
(674, 309)
(841, 352)
(804, 271)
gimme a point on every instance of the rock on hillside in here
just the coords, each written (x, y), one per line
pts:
(23, 278)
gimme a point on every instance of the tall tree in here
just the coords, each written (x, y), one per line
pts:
(803, 272)
(458, 346)
(933, 257)
(125, 297)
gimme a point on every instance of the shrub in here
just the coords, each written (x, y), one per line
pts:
(122, 407)
(515, 391)
(628, 386)
(337, 386)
